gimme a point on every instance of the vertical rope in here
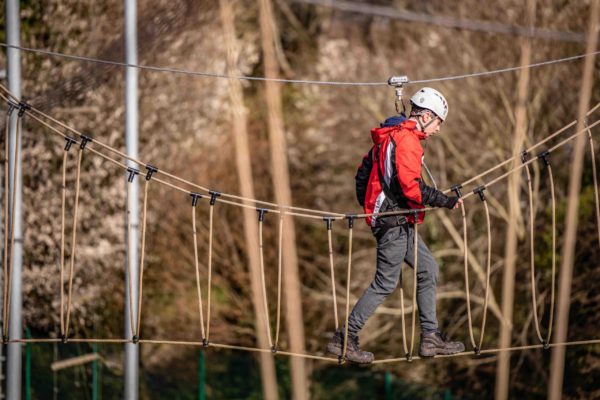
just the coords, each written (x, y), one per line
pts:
(73, 241)
(532, 255)
(262, 275)
(488, 272)
(210, 252)
(466, 269)
(62, 243)
(402, 318)
(414, 297)
(552, 292)
(197, 265)
(531, 239)
(128, 252)
(12, 225)
(348, 277)
(279, 270)
(7, 273)
(142, 253)
(594, 172)
(331, 265)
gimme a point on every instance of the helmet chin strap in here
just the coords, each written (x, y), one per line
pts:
(422, 126)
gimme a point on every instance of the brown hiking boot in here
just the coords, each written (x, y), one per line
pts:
(434, 343)
(353, 351)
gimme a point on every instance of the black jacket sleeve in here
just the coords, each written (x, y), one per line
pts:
(433, 197)
(362, 177)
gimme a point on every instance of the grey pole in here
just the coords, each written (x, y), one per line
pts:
(131, 140)
(13, 367)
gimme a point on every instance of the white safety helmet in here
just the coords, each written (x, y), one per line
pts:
(432, 100)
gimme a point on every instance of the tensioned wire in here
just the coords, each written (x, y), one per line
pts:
(291, 81)
(336, 216)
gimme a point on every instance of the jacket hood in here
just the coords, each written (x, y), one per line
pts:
(380, 134)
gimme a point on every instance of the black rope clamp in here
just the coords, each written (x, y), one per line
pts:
(195, 198)
(205, 342)
(11, 107)
(64, 339)
(350, 218)
(132, 173)
(409, 357)
(261, 214)
(70, 142)
(341, 360)
(151, 171)
(477, 350)
(479, 190)
(524, 156)
(274, 349)
(415, 214)
(544, 157)
(135, 339)
(5, 339)
(329, 222)
(23, 106)
(213, 197)
(84, 141)
(456, 190)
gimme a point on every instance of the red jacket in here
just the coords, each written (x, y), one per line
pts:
(398, 154)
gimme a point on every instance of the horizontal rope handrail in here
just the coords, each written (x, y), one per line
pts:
(277, 208)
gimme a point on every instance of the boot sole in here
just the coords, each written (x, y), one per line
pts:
(438, 352)
(337, 351)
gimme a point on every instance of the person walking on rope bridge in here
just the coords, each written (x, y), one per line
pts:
(389, 179)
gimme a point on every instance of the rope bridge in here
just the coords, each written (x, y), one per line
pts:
(196, 192)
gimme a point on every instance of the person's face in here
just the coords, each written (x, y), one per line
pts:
(434, 124)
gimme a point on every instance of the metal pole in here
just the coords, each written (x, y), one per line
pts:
(95, 364)
(28, 366)
(201, 377)
(131, 140)
(13, 383)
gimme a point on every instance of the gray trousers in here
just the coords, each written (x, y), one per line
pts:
(395, 245)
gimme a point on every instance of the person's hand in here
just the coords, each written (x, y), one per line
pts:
(458, 203)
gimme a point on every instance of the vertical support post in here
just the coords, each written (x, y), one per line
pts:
(514, 187)
(557, 365)
(95, 367)
(201, 377)
(388, 385)
(27, 366)
(131, 140)
(13, 367)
